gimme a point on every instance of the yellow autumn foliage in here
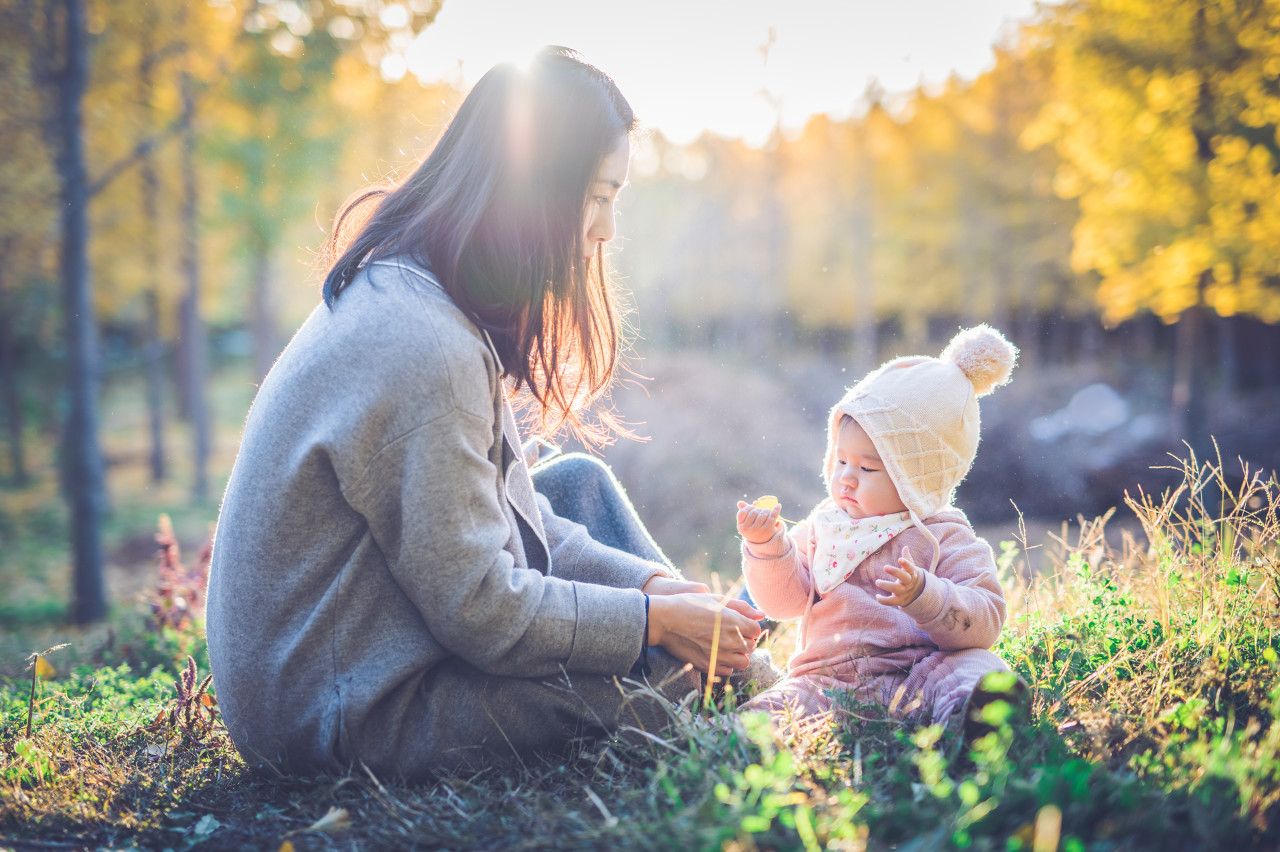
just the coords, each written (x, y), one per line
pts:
(1166, 117)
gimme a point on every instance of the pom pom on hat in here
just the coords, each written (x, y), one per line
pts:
(984, 355)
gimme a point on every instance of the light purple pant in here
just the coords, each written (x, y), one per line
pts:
(929, 691)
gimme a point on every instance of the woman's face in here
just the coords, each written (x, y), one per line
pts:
(602, 197)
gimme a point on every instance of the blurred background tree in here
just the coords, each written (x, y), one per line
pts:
(132, 63)
(1166, 116)
(26, 229)
(1105, 191)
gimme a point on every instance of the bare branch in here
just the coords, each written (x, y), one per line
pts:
(148, 144)
(154, 58)
(140, 152)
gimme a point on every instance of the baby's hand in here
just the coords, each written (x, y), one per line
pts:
(758, 525)
(907, 582)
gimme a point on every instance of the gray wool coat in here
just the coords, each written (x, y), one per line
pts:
(386, 585)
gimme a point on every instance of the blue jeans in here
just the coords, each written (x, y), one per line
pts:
(583, 489)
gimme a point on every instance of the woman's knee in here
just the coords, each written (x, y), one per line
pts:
(577, 469)
(582, 488)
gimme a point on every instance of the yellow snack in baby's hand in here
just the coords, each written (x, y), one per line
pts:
(768, 502)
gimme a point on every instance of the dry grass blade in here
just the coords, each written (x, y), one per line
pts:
(609, 819)
(653, 738)
(335, 820)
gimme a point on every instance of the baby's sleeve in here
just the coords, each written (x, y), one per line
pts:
(962, 604)
(777, 573)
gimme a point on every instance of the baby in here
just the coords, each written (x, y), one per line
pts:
(898, 598)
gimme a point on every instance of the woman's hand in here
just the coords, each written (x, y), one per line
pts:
(687, 625)
(660, 585)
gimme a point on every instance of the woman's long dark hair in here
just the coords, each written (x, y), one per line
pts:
(496, 212)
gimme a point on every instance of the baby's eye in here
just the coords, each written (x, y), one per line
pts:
(601, 200)
(869, 470)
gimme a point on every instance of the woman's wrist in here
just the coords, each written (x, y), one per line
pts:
(655, 610)
(644, 643)
(651, 585)
(660, 584)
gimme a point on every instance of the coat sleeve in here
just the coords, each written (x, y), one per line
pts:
(576, 556)
(777, 573)
(431, 501)
(962, 605)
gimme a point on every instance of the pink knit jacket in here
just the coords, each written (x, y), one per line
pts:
(848, 633)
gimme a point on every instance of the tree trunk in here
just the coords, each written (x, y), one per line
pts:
(971, 308)
(195, 357)
(155, 387)
(767, 296)
(915, 331)
(154, 347)
(865, 344)
(1092, 341)
(1191, 366)
(1056, 335)
(1268, 355)
(181, 369)
(1003, 228)
(1228, 355)
(1143, 332)
(83, 480)
(262, 319)
(12, 398)
(1028, 323)
(1001, 287)
(1190, 360)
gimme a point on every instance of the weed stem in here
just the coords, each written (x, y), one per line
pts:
(31, 700)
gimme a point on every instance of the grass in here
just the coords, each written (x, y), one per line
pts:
(1155, 724)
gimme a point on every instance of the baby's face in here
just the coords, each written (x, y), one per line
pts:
(859, 482)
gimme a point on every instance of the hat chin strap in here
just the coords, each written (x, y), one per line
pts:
(937, 546)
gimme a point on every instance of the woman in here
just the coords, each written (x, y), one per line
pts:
(389, 584)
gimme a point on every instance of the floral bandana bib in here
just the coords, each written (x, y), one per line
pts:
(842, 543)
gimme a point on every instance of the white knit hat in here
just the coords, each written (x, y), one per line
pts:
(922, 415)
